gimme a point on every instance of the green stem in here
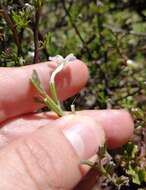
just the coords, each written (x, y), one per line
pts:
(53, 106)
(54, 93)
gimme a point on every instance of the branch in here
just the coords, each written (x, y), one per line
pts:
(36, 35)
(122, 31)
(12, 26)
(129, 94)
(103, 53)
(72, 23)
(75, 27)
(124, 57)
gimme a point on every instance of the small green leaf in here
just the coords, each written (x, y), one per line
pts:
(37, 83)
(130, 150)
(88, 163)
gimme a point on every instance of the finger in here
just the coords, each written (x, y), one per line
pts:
(17, 93)
(49, 158)
(117, 124)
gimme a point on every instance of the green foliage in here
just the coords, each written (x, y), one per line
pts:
(138, 175)
(21, 19)
(134, 169)
(109, 36)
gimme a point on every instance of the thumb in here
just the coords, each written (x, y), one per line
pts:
(50, 157)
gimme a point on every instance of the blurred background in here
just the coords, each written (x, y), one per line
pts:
(110, 37)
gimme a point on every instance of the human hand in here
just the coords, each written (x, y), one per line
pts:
(41, 151)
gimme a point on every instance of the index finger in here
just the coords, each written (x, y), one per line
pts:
(117, 124)
(17, 94)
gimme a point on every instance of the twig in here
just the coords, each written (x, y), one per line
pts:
(82, 50)
(12, 27)
(36, 35)
(120, 30)
(60, 22)
(124, 57)
(75, 28)
(72, 23)
(103, 53)
(129, 94)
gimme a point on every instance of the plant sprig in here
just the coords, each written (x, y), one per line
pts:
(52, 102)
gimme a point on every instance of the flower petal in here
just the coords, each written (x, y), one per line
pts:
(61, 63)
(57, 59)
(54, 73)
(70, 57)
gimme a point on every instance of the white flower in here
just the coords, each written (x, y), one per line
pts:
(57, 59)
(21, 61)
(130, 62)
(60, 59)
(31, 54)
(29, 6)
(61, 62)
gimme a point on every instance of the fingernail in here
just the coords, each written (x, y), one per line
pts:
(85, 135)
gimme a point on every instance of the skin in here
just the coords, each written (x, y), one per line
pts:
(37, 151)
